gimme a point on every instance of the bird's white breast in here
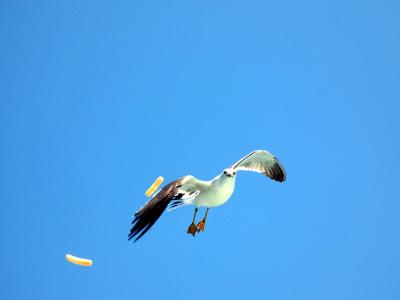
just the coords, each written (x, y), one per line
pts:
(218, 193)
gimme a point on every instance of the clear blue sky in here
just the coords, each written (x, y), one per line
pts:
(99, 98)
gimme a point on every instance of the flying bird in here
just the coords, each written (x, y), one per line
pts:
(189, 190)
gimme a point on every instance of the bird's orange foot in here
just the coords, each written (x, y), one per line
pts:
(192, 229)
(201, 225)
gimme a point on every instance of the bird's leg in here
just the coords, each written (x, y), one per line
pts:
(192, 227)
(202, 223)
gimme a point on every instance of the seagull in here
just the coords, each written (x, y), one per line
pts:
(189, 190)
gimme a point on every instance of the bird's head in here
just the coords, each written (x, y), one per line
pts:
(230, 172)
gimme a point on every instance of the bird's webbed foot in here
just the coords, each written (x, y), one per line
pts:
(192, 229)
(201, 225)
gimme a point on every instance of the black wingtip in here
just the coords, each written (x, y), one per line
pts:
(147, 216)
(278, 172)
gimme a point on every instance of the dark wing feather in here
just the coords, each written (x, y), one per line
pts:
(262, 161)
(147, 215)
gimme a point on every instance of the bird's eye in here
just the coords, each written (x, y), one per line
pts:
(225, 172)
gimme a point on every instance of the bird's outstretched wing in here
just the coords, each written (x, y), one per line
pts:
(262, 161)
(175, 194)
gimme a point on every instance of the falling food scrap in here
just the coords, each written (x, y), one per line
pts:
(154, 186)
(79, 261)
